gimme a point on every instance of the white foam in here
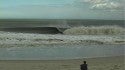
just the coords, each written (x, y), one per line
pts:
(25, 39)
(95, 30)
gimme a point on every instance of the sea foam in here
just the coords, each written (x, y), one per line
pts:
(95, 30)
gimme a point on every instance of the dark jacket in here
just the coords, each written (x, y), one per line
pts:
(83, 67)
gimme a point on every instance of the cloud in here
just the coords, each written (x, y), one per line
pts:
(104, 4)
(110, 5)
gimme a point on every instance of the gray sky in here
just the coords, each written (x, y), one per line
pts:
(62, 9)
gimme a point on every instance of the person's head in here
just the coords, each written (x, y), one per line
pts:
(84, 62)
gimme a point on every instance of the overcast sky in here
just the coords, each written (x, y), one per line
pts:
(62, 9)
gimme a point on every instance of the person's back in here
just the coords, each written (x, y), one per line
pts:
(84, 66)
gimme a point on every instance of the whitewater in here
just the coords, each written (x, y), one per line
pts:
(8, 39)
(77, 35)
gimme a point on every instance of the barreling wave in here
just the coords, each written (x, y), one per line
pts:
(40, 30)
(95, 30)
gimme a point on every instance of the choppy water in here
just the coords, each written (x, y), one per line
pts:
(57, 52)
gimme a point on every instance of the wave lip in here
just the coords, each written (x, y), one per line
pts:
(95, 30)
(41, 30)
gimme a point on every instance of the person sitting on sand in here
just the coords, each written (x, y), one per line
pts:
(84, 66)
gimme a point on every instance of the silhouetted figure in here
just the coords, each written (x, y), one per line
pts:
(84, 66)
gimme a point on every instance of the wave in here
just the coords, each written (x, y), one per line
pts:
(40, 30)
(95, 30)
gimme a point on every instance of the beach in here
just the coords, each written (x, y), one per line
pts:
(62, 34)
(101, 63)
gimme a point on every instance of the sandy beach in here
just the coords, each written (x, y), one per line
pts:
(102, 63)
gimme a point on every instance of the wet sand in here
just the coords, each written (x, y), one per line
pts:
(102, 63)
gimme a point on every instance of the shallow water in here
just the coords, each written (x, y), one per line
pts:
(57, 52)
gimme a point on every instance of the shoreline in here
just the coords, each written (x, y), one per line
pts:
(101, 63)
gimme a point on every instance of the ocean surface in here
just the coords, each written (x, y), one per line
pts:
(58, 52)
(51, 26)
(59, 23)
(61, 52)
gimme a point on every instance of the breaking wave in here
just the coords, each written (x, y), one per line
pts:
(95, 30)
(40, 30)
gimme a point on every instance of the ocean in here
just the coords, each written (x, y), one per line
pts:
(59, 23)
(56, 52)
(51, 26)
